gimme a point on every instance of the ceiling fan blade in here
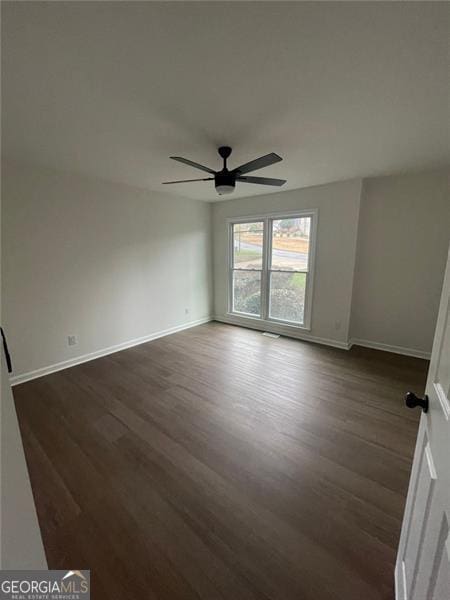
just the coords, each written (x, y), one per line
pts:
(193, 164)
(258, 163)
(262, 180)
(187, 180)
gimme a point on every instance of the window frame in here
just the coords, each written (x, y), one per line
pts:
(267, 220)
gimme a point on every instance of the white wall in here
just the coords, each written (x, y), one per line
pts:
(106, 262)
(403, 239)
(338, 205)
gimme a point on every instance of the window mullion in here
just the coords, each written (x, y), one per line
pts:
(265, 283)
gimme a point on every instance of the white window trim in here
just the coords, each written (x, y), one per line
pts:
(266, 218)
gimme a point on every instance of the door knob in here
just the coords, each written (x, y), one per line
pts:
(412, 401)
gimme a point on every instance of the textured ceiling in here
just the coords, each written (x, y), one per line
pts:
(338, 89)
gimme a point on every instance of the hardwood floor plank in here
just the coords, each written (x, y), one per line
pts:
(218, 463)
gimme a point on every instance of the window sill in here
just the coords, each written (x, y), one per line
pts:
(269, 323)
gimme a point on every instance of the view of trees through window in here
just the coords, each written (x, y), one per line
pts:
(287, 243)
(248, 263)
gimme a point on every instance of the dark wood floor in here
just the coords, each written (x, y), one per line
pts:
(219, 463)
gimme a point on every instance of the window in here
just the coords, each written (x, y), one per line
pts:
(289, 257)
(247, 265)
(271, 268)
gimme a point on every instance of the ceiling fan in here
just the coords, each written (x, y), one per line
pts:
(225, 180)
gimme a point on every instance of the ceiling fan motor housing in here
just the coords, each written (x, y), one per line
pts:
(225, 182)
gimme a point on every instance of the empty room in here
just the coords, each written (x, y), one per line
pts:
(225, 300)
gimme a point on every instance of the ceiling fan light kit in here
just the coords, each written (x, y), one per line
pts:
(225, 180)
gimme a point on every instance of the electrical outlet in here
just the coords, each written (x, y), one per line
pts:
(72, 340)
(337, 325)
(186, 311)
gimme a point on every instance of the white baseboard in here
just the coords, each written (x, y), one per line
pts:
(389, 348)
(274, 328)
(21, 378)
(301, 335)
(287, 331)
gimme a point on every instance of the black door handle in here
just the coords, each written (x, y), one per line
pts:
(5, 348)
(411, 401)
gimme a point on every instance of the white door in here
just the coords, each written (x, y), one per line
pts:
(422, 571)
(21, 543)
